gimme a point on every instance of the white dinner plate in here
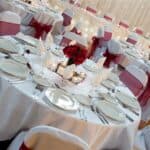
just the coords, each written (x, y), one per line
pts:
(109, 98)
(19, 59)
(41, 81)
(110, 110)
(108, 84)
(27, 39)
(85, 100)
(32, 49)
(127, 100)
(114, 78)
(13, 68)
(6, 45)
(62, 100)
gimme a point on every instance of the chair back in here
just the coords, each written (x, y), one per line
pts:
(134, 78)
(46, 138)
(9, 23)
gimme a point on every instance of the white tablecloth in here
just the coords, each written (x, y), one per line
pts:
(21, 110)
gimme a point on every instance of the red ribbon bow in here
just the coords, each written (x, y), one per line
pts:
(110, 58)
(40, 28)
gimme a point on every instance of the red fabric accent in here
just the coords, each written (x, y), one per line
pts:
(67, 19)
(24, 147)
(76, 53)
(74, 30)
(7, 28)
(40, 28)
(110, 58)
(132, 41)
(123, 24)
(139, 31)
(72, 1)
(131, 82)
(107, 35)
(78, 4)
(145, 96)
(108, 18)
(95, 43)
(65, 42)
(91, 10)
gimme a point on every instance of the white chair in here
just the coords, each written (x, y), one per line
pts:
(47, 138)
(132, 38)
(9, 23)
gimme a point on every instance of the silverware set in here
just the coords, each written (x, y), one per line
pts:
(99, 114)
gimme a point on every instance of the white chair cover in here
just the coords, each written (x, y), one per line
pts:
(46, 138)
(114, 47)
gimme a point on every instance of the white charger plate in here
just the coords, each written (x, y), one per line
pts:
(108, 84)
(27, 39)
(6, 45)
(85, 100)
(127, 100)
(41, 81)
(110, 110)
(19, 59)
(13, 68)
(32, 49)
(114, 78)
(62, 100)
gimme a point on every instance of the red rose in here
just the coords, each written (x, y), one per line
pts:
(76, 53)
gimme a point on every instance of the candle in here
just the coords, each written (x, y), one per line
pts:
(76, 79)
(60, 70)
(82, 75)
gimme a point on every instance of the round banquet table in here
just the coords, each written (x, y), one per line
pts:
(21, 108)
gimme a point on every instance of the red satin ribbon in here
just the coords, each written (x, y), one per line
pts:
(65, 42)
(108, 18)
(71, 1)
(24, 147)
(91, 10)
(67, 19)
(7, 28)
(107, 35)
(139, 31)
(132, 41)
(123, 24)
(145, 96)
(110, 58)
(74, 30)
(131, 82)
(40, 28)
(95, 43)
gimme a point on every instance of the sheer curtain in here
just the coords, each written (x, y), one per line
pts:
(136, 12)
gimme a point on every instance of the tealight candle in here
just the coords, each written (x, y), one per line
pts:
(82, 75)
(60, 70)
(76, 79)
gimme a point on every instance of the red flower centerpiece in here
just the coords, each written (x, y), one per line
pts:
(76, 54)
